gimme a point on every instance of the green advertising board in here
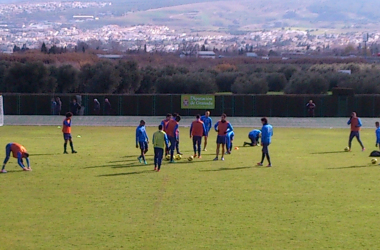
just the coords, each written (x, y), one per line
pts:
(197, 102)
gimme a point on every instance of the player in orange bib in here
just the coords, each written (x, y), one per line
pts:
(66, 130)
(18, 151)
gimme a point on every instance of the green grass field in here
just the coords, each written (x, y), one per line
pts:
(315, 197)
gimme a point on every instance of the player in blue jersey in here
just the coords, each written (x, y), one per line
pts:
(254, 136)
(229, 141)
(142, 141)
(266, 139)
(377, 134)
(207, 121)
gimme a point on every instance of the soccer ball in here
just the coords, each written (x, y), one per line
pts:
(190, 158)
(374, 161)
(346, 149)
(167, 157)
(178, 157)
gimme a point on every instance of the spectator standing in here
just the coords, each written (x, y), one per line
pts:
(107, 106)
(58, 106)
(310, 108)
(75, 107)
(96, 107)
(53, 106)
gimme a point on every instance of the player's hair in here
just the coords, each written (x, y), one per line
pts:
(265, 120)
(224, 115)
(175, 115)
(198, 116)
(26, 155)
(178, 118)
(160, 127)
(142, 121)
(168, 115)
(69, 114)
(377, 123)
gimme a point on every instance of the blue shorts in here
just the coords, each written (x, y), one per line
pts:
(265, 148)
(66, 136)
(143, 145)
(197, 139)
(206, 133)
(221, 139)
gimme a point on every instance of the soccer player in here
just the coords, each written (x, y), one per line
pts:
(171, 131)
(355, 123)
(310, 108)
(207, 121)
(377, 131)
(164, 123)
(254, 136)
(175, 115)
(222, 127)
(197, 130)
(160, 141)
(18, 151)
(229, 141)
(66, 130)
(266, 139)
(142, 140)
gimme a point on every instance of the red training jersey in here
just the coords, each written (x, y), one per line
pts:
(222, 128)
(66, 126)
(354, 124)
(171, 128)
(16, 148)
(197, 128)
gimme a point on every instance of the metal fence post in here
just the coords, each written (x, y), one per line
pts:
(253, 105)
(154, 106)
(120, 105)
(18, 104)
(233, 106)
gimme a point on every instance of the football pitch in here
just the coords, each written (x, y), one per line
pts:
(316, 196)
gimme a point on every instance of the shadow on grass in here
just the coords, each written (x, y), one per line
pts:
(130, 173)
(224, 169)
(350, 167)
(121, 165)
(31, 155)
(331, 152)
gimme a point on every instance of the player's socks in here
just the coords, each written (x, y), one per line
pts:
(65, 148)
(72, 148)
(262, 158)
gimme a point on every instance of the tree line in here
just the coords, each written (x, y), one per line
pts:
(128, 77)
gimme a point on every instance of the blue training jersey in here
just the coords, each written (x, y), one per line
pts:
(141, 135)
(377, 135)
(266, 134)
(207, 121)
(254, 133)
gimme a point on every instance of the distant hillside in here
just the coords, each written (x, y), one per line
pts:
(217, 15)
(226, 16)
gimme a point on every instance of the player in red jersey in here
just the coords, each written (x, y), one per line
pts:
(66, 130)
(197, 130)
(18, 151)
(222, 127)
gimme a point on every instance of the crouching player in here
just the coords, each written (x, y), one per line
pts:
(18, 151)
(160, 142)
(254, 136)
(66, 130)
(229, 141)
